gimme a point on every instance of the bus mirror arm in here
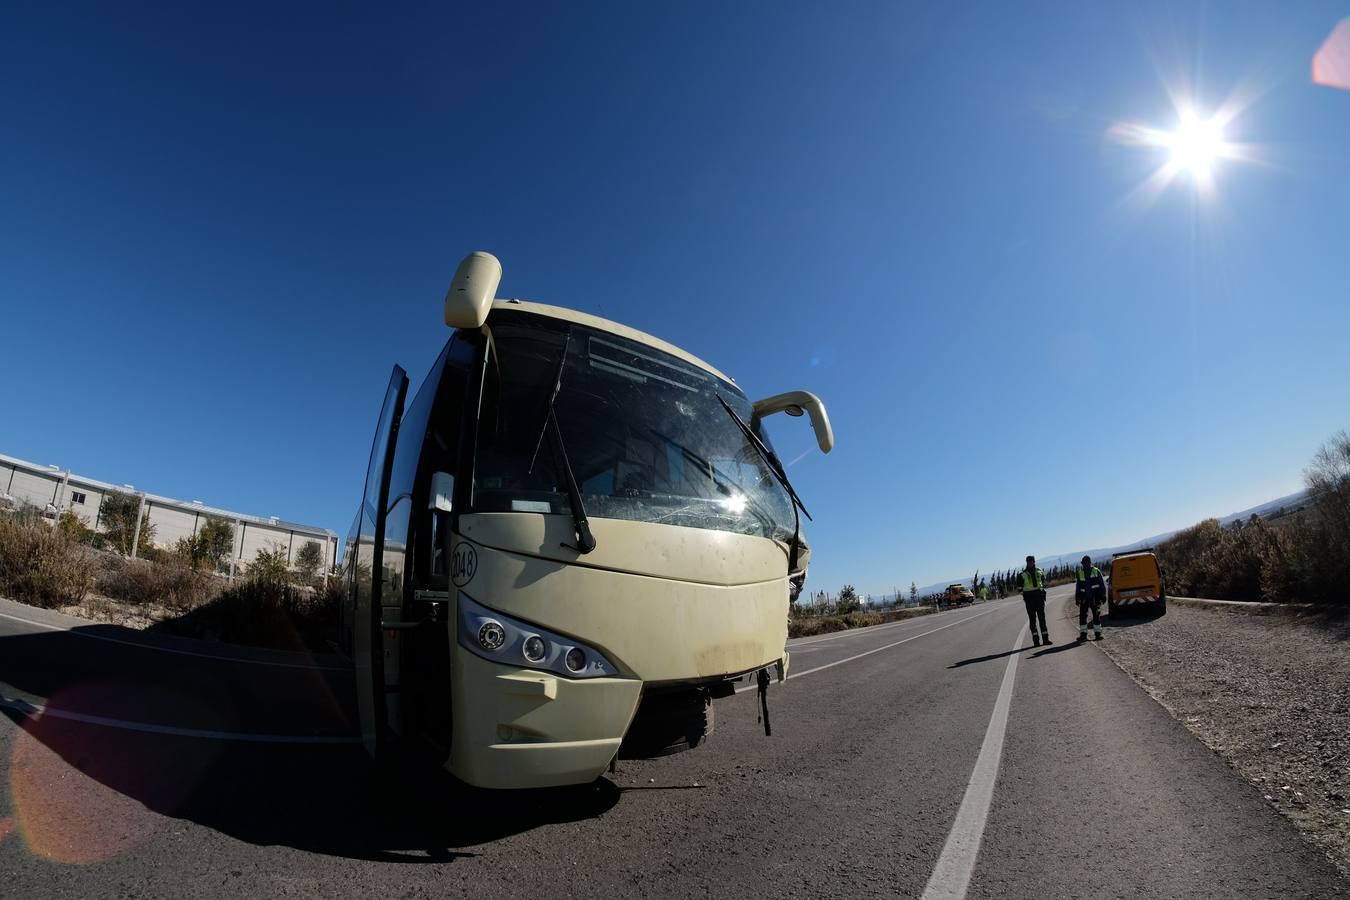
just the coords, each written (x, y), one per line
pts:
(794, 403)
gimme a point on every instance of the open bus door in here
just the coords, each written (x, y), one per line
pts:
(369, 653)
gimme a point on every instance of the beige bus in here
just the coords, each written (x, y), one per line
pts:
(572, 539)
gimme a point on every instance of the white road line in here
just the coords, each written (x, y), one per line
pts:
(158, 649)
(951, 876)
(33, 709)
(839, 662)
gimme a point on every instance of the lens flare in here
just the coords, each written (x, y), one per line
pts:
(84, 793)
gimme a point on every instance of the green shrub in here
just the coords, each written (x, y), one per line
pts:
(266, 609)
(210, 547)
(72, 526)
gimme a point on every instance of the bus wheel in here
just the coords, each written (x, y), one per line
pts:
(667, 724)
(1111, 608)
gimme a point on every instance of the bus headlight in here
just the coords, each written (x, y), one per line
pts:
(491, 635)
(511, 642)
(534, 648)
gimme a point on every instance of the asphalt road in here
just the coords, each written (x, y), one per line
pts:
(923, 756)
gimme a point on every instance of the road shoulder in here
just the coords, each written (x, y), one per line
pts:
(1268, 691)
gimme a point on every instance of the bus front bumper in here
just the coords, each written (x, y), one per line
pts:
(520, 728)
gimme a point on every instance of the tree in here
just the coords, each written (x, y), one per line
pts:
(269, 567)
(118, 514)
(975, 581)
(913, 593)
(209, 547)
(217, 537)
(848, 600)
(309, 559)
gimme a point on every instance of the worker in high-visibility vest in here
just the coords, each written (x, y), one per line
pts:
(1090, 592)
(1033, 595)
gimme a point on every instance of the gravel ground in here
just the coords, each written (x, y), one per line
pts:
(1268, 691)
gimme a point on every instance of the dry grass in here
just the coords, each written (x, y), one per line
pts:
(171, 583)
(43, 566)
(40, 565)
(808, 626)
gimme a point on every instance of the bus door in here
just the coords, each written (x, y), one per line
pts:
(375, 670)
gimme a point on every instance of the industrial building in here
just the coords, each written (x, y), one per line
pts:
(55, 491)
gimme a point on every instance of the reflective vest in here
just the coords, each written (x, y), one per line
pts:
(1091, 587)
(1032, 581)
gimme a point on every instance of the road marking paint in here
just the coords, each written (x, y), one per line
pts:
(145, 646)
(956, 865)
(34, 709)
(839, 662)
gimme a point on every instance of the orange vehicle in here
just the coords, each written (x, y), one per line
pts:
(958, 594)
(1136, 584)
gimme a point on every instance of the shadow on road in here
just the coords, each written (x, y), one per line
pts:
(1056, 648)
(989, 658)
(322, 799)
(75, 784)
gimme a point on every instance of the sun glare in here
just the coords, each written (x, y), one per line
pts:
(1193, 150)
(1196, 145)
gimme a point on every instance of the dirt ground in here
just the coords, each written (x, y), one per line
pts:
(1269, 691)
(100, 609)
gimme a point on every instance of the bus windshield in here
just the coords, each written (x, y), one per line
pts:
(643, 430)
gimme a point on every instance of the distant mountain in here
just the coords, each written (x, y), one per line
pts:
(1265, 510)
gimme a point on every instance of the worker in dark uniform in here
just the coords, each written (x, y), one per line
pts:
(1033, 595)
(1090, 592)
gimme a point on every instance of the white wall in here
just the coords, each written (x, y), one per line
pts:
(35, 489)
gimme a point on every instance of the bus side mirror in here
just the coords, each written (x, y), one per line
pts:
(794, 403)
(470, 296)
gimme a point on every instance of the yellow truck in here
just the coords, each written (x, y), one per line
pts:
(1136, 584)
(959, 595)
(572, 538)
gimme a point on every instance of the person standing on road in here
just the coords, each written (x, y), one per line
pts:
(983, 592)
(1033, 595)
(1090, 592)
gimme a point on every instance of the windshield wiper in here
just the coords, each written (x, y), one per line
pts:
(776, 468)
(580, 524)
(768, 455)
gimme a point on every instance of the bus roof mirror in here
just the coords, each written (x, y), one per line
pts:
(794, 403)
(471, 292)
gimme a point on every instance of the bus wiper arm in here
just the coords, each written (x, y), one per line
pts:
(582, 525)
(768, 455)
(552, 396)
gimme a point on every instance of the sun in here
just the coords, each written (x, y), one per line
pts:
(1192, 152)
(1196, 145)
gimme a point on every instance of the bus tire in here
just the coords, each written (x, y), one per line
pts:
(1160, 607)
(669, 725)
(1111, 608)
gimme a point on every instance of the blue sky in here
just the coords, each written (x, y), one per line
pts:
(218, 231)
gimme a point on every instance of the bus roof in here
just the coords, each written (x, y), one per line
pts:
(581, 318)
(1147, 551)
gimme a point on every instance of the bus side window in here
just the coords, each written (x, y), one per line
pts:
(440, 461)
(439, 506)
